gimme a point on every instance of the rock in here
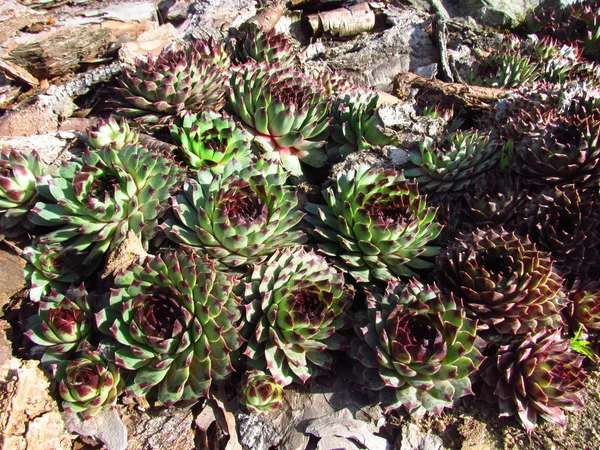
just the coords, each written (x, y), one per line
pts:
(49, 146)
(497, 13)
(29, 417)
(5, 345)
(172, 430)
(37, 119)
(351, 430)
(106, 426)
(414, 439)
(12, 276)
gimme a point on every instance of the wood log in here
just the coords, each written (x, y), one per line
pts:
(61, 51)
(342, 22)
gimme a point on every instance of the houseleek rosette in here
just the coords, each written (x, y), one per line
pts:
(176, 319)
(504, 281)
(585, 304)
(63, 324)
(18, 192)
(271, 47)
(113, 134)
(286, 112)
(260, 392)
(98, 199)
(375, 224)
(88, 384)
(190, 79)
(211, 140)
(354, 125)
(454, 162)
(51, 267)
(238, 217)
(295, 305)
(416, 346)
(539, 377)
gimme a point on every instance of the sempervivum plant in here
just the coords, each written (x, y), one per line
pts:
(557, 62)
(63, 324)
(174, 81)
(504, 281)
(560, 149)
(494, 200)
(259, 46)
(375, 224)
(88, 384)
(211, 140)
(334, 83)
(354, 125)
(176, 319)
(50, 267)
(566, 222)
(260, 392)
(416, 346)
(539, 377)
(98, 199)
(585, 298)
(238, 217)
(506, 68)
(18, 192)
(295, 305)
(286, 112)
(113, 134)
(453, 162)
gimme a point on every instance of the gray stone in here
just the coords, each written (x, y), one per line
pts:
(414, 439)
(497, 13)
(106, 426)
(11, 274)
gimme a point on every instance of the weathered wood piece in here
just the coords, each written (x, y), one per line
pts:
(343, 22)
(472, 97)
(267, 17)
(61, 50)
(14, 16)
(15, 72)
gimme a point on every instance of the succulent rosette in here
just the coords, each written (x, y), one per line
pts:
(191, 79)
(539, 377)
(295, 305)
(271, 47)
(238, 217)
(211, 140)
(504, 281)
(355, 124)
(585, 304)
(18, 173)
(113, 134)
(454, 162)
(63, 324)
(558, 62)
(374, 224)
(98, 199)
(50, 267)
(416, 347)
(260, 393)
(175, 317)
(287, 113)
(335, 83)
(495, 200)
(88, 384)
(566, 222)
(506, 68)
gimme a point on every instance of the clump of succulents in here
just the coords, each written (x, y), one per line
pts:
(538, 377)
(416, 346)
(238, 217)
(270, 47)
(375, 225)
(557, 62)
(295, 306)
(565, 222)
(286, 112)
(50, 267)
(454, 162)
(335, 83)
(175, 317)
(190, 79)
(88, 384)
(354, 125)
(96, 200)
(18, 192)
(113, 134)
(260, 392)
(63, 324)
(495, 200)
(504, 281)
(211, 140)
